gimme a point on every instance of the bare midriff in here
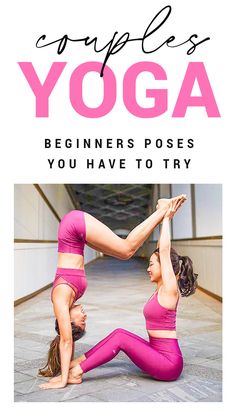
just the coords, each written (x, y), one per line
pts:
(162, 333)
(70, 260)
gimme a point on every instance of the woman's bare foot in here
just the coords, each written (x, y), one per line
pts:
(78, 360)
(75, 375)
(165, 203)
(72, 380)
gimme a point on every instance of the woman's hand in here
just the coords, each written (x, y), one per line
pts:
(54, 384)
(170, 212)
(71, 380)
(55, 379)
(174, 205)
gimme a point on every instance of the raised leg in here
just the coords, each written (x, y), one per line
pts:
(100, 237)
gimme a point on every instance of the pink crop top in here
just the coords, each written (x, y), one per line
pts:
(158, 317)
(72, 233)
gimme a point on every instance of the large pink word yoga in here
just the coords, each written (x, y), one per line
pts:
(195, 72)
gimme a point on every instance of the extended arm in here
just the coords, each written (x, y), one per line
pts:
(167, 272)
(61, 310)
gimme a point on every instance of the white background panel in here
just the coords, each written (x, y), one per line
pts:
(48, 223)
(26, 212)
(34, 267)
(208, 210)
(182, 222)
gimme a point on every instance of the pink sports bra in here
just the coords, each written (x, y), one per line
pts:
(158, 317)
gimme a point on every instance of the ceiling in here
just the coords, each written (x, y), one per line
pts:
(119, 206)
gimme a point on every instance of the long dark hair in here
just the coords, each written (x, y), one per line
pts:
(182, 266)
(53, 365)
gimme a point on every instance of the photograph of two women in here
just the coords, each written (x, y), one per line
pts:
(118, 292)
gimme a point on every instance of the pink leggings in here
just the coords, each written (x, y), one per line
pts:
(161, 358)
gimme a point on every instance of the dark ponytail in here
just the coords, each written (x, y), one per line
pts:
(183, 268)
(187, 278)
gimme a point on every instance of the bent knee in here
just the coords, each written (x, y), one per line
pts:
(119, 330)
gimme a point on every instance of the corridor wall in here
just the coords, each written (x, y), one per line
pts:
(37, 211)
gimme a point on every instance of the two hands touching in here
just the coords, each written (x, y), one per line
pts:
(171, 205)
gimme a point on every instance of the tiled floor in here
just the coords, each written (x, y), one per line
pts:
(115, 297)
